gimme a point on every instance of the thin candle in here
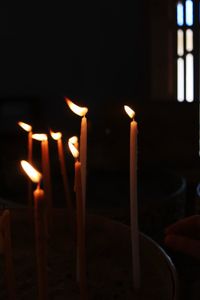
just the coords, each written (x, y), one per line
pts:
(28, 128)
(74, 141)
(58, 137)
(40, 230)
(133, 199)
(81, 111)
(6, 251)
(81, 255)
(46, 171)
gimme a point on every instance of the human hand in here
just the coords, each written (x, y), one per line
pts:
(184, 236)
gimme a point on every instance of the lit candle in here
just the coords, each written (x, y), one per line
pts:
(46, 171)
(133, 199)
(58, 137)
(82, 111)
(74, 140)
(6, 251)
(28, 128)
(40, 229)
(81, 255)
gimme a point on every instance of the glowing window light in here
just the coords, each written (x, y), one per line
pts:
(189, 40)
(199, 13)
(189, 12)
(189, 78)
(180, 79)
(180, 14)
(180, 42)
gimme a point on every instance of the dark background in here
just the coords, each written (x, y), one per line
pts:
(78, 48)
(101, 55)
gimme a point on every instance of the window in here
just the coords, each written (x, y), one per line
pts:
(185, 51)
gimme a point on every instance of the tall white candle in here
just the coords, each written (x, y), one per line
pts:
(82, 111)
(80, 229)
(133, 199)
(83, 159)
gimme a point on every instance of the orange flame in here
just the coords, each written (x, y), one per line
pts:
(56, 135)
(73, 140)
(73, 148)
(39, 136)
(129, 111)
(32, 173)
(80, 111)
(25, 126)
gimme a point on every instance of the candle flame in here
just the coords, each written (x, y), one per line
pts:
(73, 148)
(129, 111)
(73, 140)
(39, 136)
(56, 135)
(80, 111)
(32, 173)
(25, 126)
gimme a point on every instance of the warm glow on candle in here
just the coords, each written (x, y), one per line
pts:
(56, 135)
(80, 111)
(39, 136)
(73, 149)
(25, 126)
(133, 199)
(32, 173)
(129, 111)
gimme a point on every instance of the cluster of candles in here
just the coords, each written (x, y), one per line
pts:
(43, 198)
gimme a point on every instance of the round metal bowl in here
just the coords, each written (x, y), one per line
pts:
(108, 261)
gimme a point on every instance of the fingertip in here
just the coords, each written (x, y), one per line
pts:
(169, 229)
(166, 239)
(169, 240)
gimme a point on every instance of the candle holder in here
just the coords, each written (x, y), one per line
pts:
(109, 272)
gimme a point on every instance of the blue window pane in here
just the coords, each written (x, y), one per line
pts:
(180, 14)
(189, 12)
(199, 12)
